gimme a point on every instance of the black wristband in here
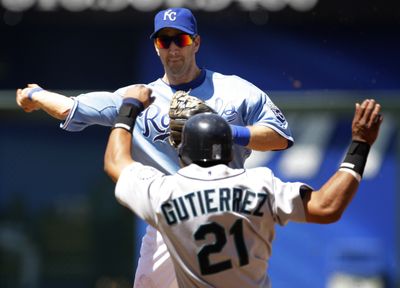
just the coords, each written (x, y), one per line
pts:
(134, 102)
(356, 157)
(127, 116)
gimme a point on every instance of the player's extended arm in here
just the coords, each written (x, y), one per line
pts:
(258, 137)
(328, 203)
(118, 153)
(263, 138)
(119, 146)
(33, 97)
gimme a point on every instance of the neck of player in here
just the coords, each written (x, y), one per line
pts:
(178, 79)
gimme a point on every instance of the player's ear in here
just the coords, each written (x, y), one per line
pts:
(157, 50)
(196, 43)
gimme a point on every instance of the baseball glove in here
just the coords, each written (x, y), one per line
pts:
(181, 108)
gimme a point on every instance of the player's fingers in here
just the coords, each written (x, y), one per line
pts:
(368, 111)
(375, 116)
(18, 97)
(28, 110)
(25, 91)
(21, 97)
(359, 110)
(365, 111)
(379, 119)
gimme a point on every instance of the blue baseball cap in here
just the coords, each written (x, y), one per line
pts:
(177, 18)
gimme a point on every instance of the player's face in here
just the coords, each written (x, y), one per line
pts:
(177, 51)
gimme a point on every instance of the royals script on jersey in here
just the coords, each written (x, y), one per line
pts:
(218, 222)
(235, 99)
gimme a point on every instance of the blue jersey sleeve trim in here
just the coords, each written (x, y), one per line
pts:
(281, 132)
(65, 124)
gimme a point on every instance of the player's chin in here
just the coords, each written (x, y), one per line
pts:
(177, 70)
(175, 62)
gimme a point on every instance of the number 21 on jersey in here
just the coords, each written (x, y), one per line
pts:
(236, 231)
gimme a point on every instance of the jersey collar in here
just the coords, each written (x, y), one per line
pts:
(217, 172)
(192, 84)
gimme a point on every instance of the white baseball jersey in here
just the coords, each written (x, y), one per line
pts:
(235, 99)
(217, 222)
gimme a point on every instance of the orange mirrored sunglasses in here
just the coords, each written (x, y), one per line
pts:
(181, 40)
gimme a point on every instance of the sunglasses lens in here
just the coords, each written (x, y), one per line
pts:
(163, 42)
(181, 40)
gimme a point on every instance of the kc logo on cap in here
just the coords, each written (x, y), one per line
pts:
(170, 14)
(177, 18)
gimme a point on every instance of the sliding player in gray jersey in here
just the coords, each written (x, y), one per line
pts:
(218, 222)
(258, 123)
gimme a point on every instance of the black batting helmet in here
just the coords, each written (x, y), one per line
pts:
(206, 140)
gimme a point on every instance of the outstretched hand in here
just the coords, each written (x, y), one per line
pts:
(23, 100)
(366, 121)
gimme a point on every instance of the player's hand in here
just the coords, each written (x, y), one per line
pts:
(366, 121)
(141, 93)
(23, 100)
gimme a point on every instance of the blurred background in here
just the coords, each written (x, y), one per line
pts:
(60, 225)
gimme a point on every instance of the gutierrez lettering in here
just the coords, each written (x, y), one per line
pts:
(213, 201)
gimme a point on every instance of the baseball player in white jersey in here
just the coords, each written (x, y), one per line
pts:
(256, 122)
(218, 222)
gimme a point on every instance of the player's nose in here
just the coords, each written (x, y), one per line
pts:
(174, 47)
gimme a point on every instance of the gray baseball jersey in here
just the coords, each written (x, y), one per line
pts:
(218, 222)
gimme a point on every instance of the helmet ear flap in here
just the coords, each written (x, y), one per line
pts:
(184, 160)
